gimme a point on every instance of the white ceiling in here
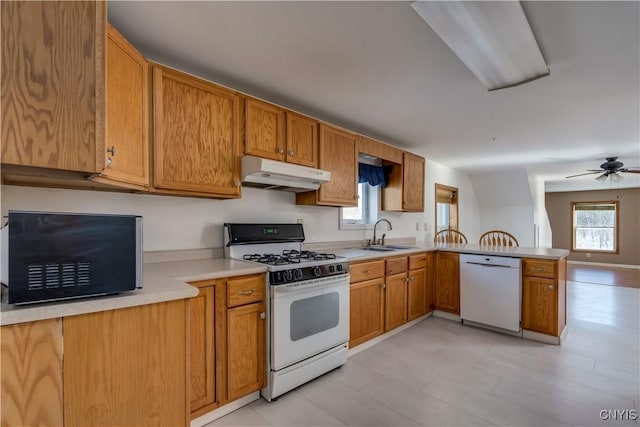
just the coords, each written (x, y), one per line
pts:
(378, 68)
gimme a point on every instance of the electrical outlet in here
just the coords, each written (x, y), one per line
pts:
(300, 220)
(417, 226)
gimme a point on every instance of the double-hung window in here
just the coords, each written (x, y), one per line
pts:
(595, 226)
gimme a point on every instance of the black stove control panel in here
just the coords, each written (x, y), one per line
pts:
(307, 273)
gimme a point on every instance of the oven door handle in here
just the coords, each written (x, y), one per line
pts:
(291, 288)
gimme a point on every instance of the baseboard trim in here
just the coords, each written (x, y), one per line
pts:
(224, 410)
(547, 339)
(447, 315)
(604, 264)
(365, 345)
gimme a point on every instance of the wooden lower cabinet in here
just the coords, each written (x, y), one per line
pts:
(417, 294)
(202, 358)
(31, 369)
(366, 311)
(447, 283)
(246, 349)
(430, 280)
(227, 333)
(395, 301)
(126, 366)
(544, 296)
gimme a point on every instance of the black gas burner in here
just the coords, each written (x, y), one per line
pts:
(308, 255)
(271, 259)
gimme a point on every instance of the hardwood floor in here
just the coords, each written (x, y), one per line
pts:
(440, 373)
(609, 276)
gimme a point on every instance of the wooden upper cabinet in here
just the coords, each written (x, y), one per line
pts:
(264, 130)
(338, 154)
(302, 140)
(447, 284)
(196, 136)
(126, 156)
(413, 183)
(52, 98)
(31, 371)
(378, 149)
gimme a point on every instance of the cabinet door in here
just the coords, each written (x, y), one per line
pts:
(417, 294)
(430, 271)
(196, 132)
(264, 130)
(52, 98)
(245, 350)
(127, 367)
(127, 101)
(302, 140)
(201, 345)
(413, 183)
(395, 309)
(338, 155)
(31, 371)
(447, 293)
(366, 303)
(540, 305)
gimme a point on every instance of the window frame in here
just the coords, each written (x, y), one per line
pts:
(367, 197)
(616, 228)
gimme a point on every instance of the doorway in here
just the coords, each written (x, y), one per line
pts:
(446, 207)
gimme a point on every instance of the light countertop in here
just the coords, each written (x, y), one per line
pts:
(355, 254)
(164, 281)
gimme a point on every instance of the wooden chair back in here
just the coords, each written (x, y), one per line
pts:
(449, 235)
(498, 238)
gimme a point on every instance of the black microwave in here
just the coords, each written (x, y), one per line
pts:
(51, 256)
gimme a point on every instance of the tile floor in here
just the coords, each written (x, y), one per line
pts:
(440, 373)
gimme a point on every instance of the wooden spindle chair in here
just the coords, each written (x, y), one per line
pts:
(449, 235)
(498, 238)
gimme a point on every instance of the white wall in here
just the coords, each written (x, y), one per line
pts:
(505, 203)
(540, 217)
(172, 223)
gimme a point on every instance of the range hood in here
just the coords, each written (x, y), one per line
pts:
(272, 174)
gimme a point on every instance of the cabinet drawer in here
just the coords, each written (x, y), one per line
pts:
(417, 261)
(366, 271)
(396, 265)
(540, 268)
(244, 290)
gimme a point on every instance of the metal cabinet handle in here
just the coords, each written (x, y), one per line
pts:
(551, 287)
(367, 271)
(112, 150)
(280, 150)
(237, 183)
(249, 292)
(263, 315)
(291, 152)
(537, 268)
(412, 277)
(383, 286)
(407, 280)
(109, 161)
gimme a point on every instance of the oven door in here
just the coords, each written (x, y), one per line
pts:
(308, 318)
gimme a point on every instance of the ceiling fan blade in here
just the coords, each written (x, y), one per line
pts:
(629, 171)
(595, 170)
(581, 174)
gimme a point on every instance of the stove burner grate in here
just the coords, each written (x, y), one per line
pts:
(308, 255)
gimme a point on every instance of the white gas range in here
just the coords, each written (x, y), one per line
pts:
(308, 308)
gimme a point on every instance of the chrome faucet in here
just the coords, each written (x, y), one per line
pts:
(374, 229)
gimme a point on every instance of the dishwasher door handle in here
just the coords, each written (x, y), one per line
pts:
(487, 265)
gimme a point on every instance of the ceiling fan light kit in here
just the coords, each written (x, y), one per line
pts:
(610, 169)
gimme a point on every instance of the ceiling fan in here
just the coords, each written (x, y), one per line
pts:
(609, 169)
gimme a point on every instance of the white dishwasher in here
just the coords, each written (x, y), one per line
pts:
(491, 291)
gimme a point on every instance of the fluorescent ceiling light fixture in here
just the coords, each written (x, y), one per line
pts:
(492, 38)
